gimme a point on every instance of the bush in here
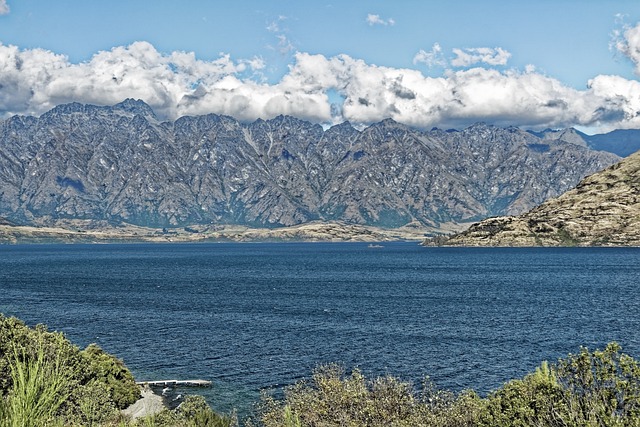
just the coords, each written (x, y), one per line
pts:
(31, 344)
(193, 412)
(94, 405)
(536, 400)
(41, 369)
(112, 373)
(601, 388)
(333, 398)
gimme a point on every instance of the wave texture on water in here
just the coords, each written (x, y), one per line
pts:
(249, 316)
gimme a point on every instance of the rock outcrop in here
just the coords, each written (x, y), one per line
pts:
(602, 210)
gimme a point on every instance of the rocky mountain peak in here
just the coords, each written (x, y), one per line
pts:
(66, 109)
(569, 136)
(136, 107)
(479, 127)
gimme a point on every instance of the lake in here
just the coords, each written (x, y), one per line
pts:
(258, 315)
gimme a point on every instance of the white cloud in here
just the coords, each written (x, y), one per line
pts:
(377, 20)
(36, 80)
(274, 26)
(256, 63)
(177, 83)
(433, 58)
(619, 102)
(627, 42)
(4, 7)
(284, 46)
(472, 56)
(373, 93)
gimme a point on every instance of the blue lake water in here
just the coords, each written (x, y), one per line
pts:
(250, 316)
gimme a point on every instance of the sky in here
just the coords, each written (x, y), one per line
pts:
(532, 64)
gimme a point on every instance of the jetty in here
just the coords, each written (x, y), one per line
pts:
(175, 383)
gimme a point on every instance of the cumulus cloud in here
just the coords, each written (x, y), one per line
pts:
(177, 83)
(472, 56)
(618, 102)
(4, 7)
(377, 20)
(373, 93)
(35, 80)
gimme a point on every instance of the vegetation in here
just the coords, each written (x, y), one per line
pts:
(600, 388)
(47, 381)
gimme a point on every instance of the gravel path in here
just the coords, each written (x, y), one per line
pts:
(149, 404)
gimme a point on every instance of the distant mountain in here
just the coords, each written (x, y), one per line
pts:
(602, 210)
(120, 164)
(621, 142)
(569, 136)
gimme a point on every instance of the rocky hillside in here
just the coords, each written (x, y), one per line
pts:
(603, 210)
(121, 164)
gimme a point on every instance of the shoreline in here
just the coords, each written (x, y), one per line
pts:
(92, 233)
(149, 403)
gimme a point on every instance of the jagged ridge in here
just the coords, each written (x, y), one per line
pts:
(120, 163)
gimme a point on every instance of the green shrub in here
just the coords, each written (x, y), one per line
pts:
(94, 405)
(32, 344)
(333, 398)
(195, 412)
(112, 373)
(47, 381)
(536, 400)
(602, 387)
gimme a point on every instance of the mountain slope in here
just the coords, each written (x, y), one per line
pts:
(602, 210)
(120, 164)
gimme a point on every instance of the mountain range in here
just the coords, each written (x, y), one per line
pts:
(120, 164)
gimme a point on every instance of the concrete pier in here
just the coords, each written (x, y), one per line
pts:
(176, 383)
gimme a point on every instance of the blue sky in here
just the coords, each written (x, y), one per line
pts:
(330, 61)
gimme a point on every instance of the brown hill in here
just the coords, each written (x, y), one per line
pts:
(602, 210)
